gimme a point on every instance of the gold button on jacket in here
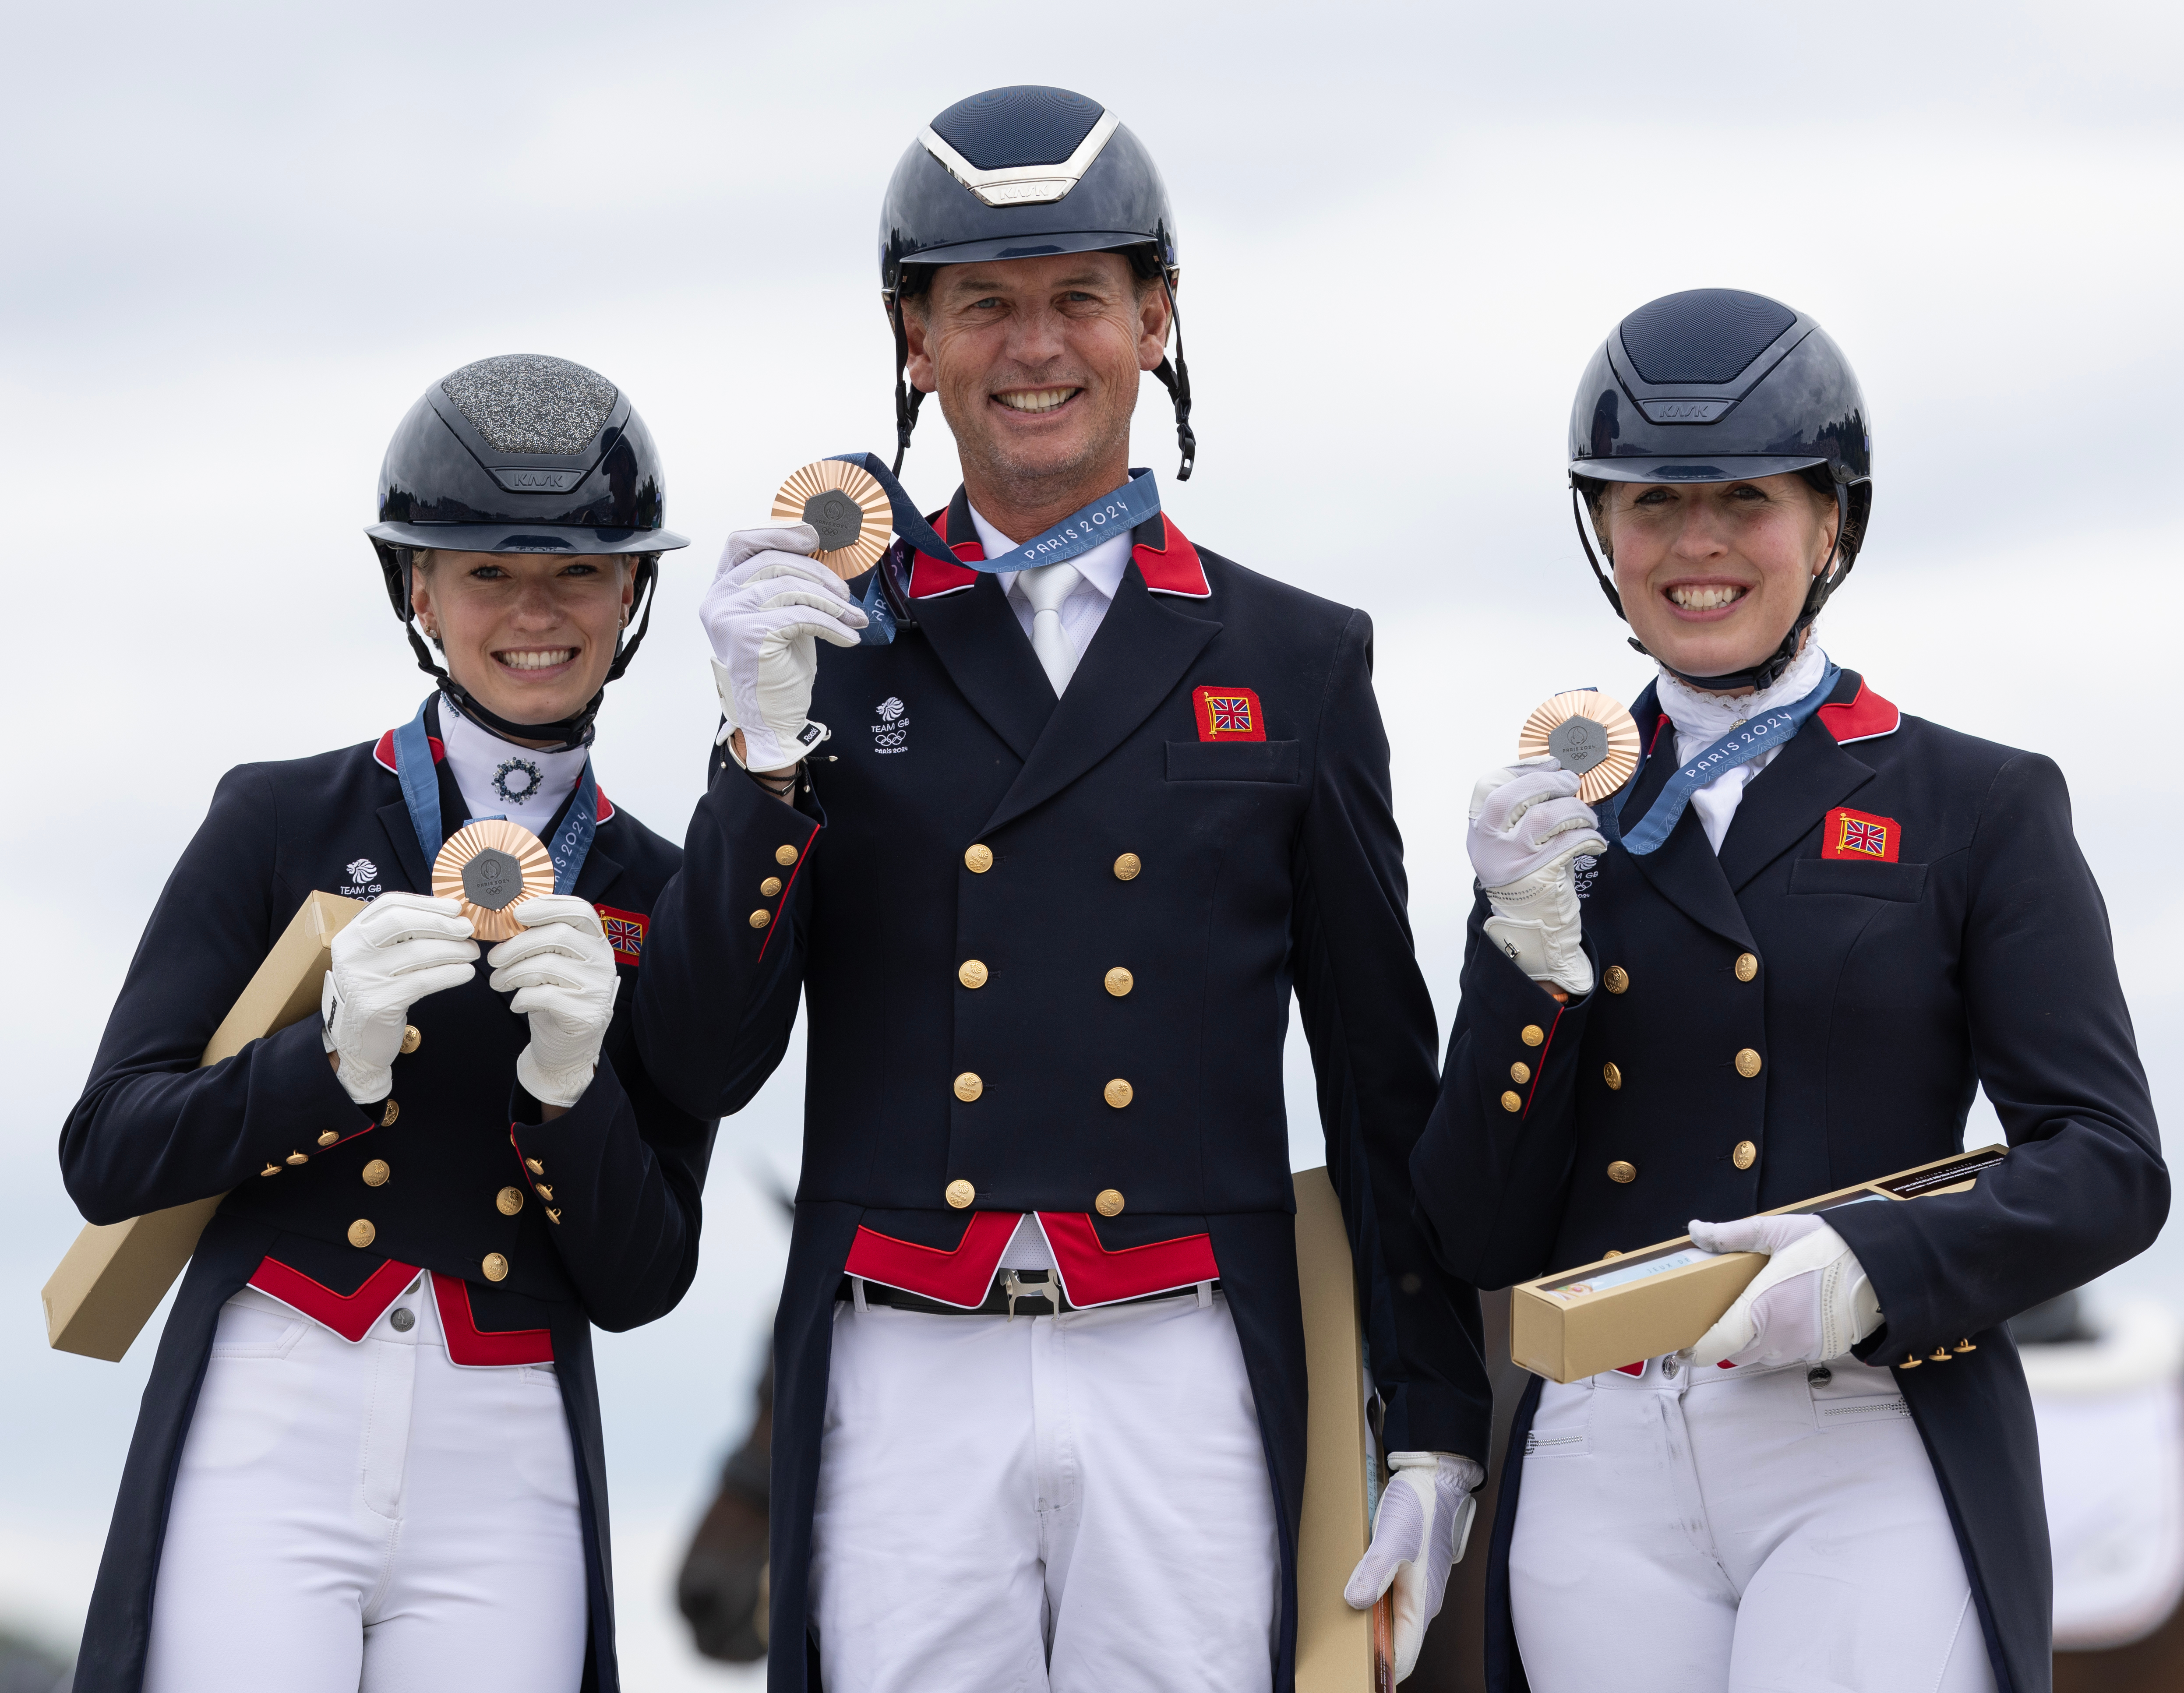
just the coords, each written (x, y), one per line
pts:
(534, 1166)
(1120, 981)
(760, 918)
(508, 1201)
(545, 1193)
(961, 1194)
(784, 856)
(769, 888)
(1747, 1062)
(412, 1040)
(1531, 1035)
(1616, 979)
(1512, 1102)
(1109, 1203)
(495, 1268)
(1128, 867)
(1622, 1170)
(299, 1157)
(1746, 1156)
(1747, 966)
(978, 858)
(1119, 1093)
(328, 1138)
(376, 1173)
(393, 1110)
(1612, 1075)
(971, 974)
(1520, 1071)
(969, 1085)
(361, 1233)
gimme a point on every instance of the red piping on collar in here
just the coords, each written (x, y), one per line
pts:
(1865, 716)
(384, 753)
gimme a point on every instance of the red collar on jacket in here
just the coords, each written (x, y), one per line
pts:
(1864, 716)
(1162, 553)
(384, 752)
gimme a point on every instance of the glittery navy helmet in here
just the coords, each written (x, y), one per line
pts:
(1714, 385)
(1021, 173)
(522, 454)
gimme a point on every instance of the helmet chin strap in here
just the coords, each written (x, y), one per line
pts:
(566, 734)
(1769, 670)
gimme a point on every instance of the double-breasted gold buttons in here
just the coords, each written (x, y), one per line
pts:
(978, 858)
(972, 973)
(969, 1085)
(784, 856)
(1512, 1102)
(760, 918)
(1120, 982)
(1520, 1072)
(1531, 1035)
(1128, 867)
(361, 1233)
(1109, 1203)
(376, 1173)
(329, 1138)
(1118, 1093)
(1747, 966)
(1616, 979)
(962, 1196)
(769, 888)
(1611, 1074)
(412, 1040)
(1747, 1063)
(1746, 1156)
(1623, 1171)
(508, 1202)
(495, 1267)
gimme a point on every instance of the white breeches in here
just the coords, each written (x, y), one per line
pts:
(1705, 1531)
(369, 1517)
(1072, 1504)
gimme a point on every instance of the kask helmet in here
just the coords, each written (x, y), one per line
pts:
(1021, 173)
(1714, 385)
(522, 454)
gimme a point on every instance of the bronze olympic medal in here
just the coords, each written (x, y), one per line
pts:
(848, 508)
(1587, 732)
(490, 868)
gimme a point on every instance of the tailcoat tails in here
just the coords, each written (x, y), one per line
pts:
(1046, 948)
(1899, 914)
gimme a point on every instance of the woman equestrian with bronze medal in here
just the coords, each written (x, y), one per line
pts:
(1792, 932)
(370, 1456)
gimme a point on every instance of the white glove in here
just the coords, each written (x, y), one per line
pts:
(403, 947)
(561, 971)
(1528, 830)
(1418, 1536)
(769, 604)
(1811, 1303)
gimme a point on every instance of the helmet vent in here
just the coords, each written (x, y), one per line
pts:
(527, 402)
(1703, 335)
(1005, 128)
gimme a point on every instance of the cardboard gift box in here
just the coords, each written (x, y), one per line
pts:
(106, 1287)
(1630, 1305)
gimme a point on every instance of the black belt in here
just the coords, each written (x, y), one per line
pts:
(1011, 1294)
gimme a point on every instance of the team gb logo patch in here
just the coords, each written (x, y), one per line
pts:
(892, 733)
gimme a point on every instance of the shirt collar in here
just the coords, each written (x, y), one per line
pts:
(1102, 567)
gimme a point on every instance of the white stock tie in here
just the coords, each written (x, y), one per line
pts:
(1046, 588)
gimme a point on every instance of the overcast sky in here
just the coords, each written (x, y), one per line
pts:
(240, 240)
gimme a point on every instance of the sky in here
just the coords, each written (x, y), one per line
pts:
(242, 239)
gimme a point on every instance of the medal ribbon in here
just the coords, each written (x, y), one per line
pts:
(1111, 515)
(1747, 741)
(420, 792)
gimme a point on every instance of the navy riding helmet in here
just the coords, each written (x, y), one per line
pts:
(1715, 385)
(522, 454)
(1020, 173)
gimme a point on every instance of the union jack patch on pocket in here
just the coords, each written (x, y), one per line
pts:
(624, 933)
(1860, 835)
(1228, 714)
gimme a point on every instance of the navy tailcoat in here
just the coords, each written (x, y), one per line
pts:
(152, 1130)
(1263, 857)
(1914, 921)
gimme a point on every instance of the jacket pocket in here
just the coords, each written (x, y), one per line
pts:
(1903, 881)
(1232, 760)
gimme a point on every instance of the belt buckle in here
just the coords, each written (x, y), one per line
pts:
(1017, 1288)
